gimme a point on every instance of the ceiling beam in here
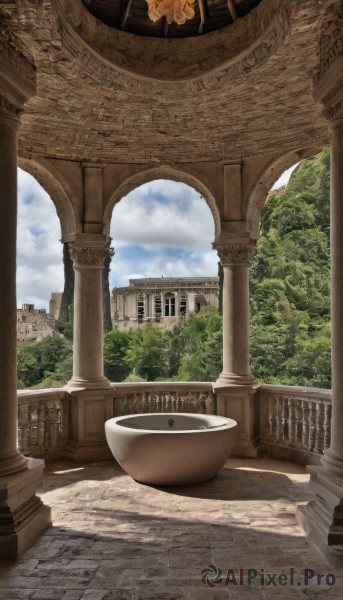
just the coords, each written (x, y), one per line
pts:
(125, 14)
(232, 9)
(202, 15)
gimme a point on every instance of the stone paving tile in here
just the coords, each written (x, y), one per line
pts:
(115, 539)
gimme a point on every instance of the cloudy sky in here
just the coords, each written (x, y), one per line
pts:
(162, 228)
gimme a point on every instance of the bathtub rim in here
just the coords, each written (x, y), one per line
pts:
(114, 423)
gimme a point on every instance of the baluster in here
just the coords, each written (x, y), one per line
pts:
(149, 403)
(162, 402)
(279, 408)
(23, 427)
(305, 424)
(167, 402)
(298, 422)
(173, 403)
(271, 417)
(291, 422)
(202, 404)
(125, 405)
(210, 404)
(157, 399)
(285, 421)
(177, 403)
(135, 410)
(319, 446)
(312, 426)
(33, 417)
(41, 425)
(143, 407)
(327, 425)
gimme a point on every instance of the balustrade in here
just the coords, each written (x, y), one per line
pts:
(163, 397)
(42, 422)
(295, 422)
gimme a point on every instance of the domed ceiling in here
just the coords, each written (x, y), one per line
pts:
(133, 15)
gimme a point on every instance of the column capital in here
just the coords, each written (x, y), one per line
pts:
(17, 83)
(89, 256)
(235, 253)
(9, 111)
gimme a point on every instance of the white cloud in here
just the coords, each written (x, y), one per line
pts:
(285, 177)
(163, 213)
(39, 251)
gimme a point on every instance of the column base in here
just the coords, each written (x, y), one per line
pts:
(78, 383)
(233, 379)
(322, 518)
(13, 464)
(239, 402)
(89, 409)
(23, 516)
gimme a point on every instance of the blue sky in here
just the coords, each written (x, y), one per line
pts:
(161, 228)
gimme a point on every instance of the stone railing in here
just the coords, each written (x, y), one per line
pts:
(43, 417)
(295, 422)
(133, 398)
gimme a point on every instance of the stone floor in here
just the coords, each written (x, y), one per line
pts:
(114, 538)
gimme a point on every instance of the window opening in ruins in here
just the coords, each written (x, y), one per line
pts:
(183, 305)
(169, 305)
(158, 307)
(140, 307)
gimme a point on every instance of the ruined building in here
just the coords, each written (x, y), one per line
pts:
(161, 301)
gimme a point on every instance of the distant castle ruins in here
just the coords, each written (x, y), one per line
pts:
(159, 301)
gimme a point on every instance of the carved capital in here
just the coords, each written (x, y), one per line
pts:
(235, 254)
(89, 256)
(335, 112)
(8, 109)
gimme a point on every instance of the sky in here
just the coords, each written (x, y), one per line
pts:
(161, 228)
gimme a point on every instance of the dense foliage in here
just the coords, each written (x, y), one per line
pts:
(290, 302)
(289, 282)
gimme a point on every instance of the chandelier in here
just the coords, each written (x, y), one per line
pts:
(173, 10)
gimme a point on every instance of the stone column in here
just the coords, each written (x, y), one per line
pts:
(91, 392)
(88, 365)
(321, 518)
(333, 459)
(235, 388)
(23, 517)
(235, 260)
(11, 460)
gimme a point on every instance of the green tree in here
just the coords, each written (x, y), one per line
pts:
(289, 281)
(116, 344)
(147, 353)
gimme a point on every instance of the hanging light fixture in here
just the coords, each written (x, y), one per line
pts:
(173, 10)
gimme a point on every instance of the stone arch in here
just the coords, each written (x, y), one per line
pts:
(260, 187)
(163, 172)
(57, 188)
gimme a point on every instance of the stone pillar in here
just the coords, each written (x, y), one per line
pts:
(23, 517)
(322, 518)
(88, 363)
(91, 392)
(11, 460)
(235, 260)
(236, 388)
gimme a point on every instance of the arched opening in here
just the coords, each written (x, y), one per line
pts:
(290, 280)
(163, 272)
(162, 234)
(39, 250)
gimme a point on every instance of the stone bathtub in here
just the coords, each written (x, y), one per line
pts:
(171, 448)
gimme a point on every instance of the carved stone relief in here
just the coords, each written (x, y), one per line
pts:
(88, 256)
(235, 254)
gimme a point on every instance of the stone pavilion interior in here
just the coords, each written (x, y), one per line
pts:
(97, 98)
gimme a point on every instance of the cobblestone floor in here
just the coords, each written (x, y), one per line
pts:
(115, 539)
